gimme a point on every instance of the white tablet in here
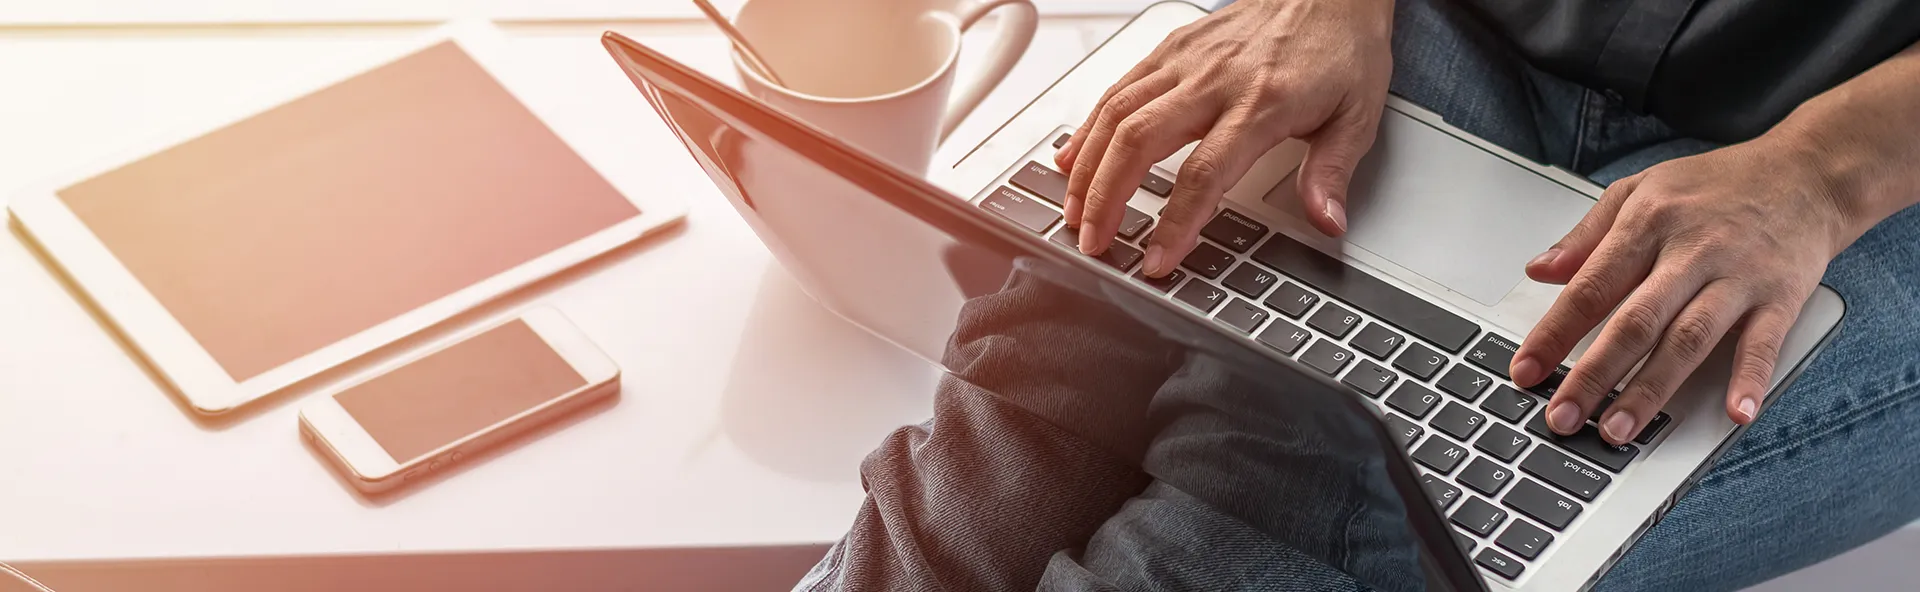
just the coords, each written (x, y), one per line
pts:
(242, 260)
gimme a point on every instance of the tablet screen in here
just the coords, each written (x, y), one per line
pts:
(326, 216)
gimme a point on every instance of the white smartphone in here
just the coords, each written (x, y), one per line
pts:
(429, 410)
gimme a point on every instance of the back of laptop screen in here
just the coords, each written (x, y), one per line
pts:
(1212, 459)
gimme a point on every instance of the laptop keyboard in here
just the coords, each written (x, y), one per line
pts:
(1488, 461)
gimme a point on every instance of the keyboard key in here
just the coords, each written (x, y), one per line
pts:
(1284, 336)
(1020, 209)
(1458, 420)
(1234, 230)
(1208, 261)
(1659, 422)
(1587, 443)
(1463, 382)
(1333, 320)
(1370, 379)
(1525, 539)
(1242, 315)
(1201, 295)
(1156, 184)
(1039, 180)
(1508, 404)
(1420, 361)
(1485, 476)
(1250, 280)
(1551, 384)
(1440, 455)
(1377, 341)
(1118, 255)
(1397, 307)
(1292, 300)
(1564, 472)
(1540, 503)
(1499, 563)
(1326, 356)
(1413, 399)
(1479, 517)
(1503, 443)
(1133, 223)
(1494, 354)
(1442, 493)
(1403, 430)
(1061, 141)
(1162, 284)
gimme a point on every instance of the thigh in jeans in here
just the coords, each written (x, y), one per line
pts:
(1830, 465)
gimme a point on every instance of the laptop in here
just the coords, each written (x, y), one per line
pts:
(1383, 354)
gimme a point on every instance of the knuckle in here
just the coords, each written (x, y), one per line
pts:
(1635, 323)
(1178, 215)
(1200, 168)
(1585, 387)
(1648, 393)
(1692, 335)
(1133, 130)
(1097, 197)
(1588, 298)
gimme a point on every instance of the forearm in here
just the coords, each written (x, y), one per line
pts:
(1863, 138)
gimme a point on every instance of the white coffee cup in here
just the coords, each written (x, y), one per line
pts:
(878, 74)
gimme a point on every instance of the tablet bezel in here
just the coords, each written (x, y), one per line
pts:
(188, 368)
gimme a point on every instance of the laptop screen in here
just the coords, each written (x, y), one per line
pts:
(1085, 434)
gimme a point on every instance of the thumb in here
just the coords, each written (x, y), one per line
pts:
(1332, 154)
(1561, 261)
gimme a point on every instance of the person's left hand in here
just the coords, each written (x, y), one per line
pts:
(1688, 250)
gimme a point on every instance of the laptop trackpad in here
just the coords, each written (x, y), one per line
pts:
(1449, 211)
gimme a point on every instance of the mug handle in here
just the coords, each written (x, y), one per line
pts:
(1016, 33)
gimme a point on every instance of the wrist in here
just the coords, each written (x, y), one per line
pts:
(1847, 174)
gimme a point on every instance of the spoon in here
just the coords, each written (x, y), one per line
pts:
(739, 41)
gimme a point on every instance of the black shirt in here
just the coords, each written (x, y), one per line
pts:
(1721, 70)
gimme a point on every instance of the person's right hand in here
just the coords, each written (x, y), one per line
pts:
(1240, 81)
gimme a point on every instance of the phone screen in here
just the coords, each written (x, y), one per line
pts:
(459, 390)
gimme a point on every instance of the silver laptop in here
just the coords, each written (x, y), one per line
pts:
(1419, 308)
(1409, 321)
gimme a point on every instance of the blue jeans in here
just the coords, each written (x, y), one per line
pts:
(1832, 463)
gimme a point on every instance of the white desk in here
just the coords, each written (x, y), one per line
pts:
(746, 407)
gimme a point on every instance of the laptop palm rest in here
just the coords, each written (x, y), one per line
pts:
(1449, 211)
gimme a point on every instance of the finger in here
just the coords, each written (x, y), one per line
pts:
(1761, 335)
(1151, 134)
(1558, 264)
(1628, 336)
(1100, 134)
(1686, 342)
(1333, 153)
(1215, 166)
(1590, 294)
(1066, 155)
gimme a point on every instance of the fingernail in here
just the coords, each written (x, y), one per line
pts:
(1544, 258)
(1155, 257)
(1748, 408)
(1086, 239)
(1337, 214)
(1564, 417)
(1619, 426)
(1524, 371)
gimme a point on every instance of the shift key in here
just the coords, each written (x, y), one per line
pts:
(1020, 209)
(1042, 181)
